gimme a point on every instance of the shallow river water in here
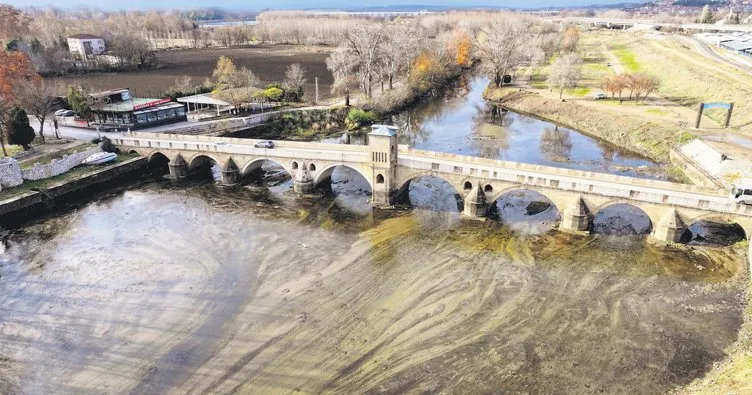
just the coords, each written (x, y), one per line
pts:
(462, 122)
(199, 289)
(194, 288)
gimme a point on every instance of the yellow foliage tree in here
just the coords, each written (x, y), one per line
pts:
(425, 68)
(223, 73)
(422, 64)
(463, 47)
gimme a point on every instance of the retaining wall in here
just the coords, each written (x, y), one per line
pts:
(57, 166)
(35, 203)
(10, 173)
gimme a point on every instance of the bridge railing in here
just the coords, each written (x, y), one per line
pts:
(130, 140)
(614, 187)
(556, 171)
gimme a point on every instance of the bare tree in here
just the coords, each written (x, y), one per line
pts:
(502, 46)
(130, 49)
(548, 44)
(183, 84)
(615, 84)
(397, 50)
(15, 23)
(341, 64)
(644, 85)
(295, 79)
(570, 39)
(565, 72)
(39, 99)
(50, 60)
(364, 42)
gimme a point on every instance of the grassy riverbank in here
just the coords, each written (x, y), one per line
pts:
(648, 138)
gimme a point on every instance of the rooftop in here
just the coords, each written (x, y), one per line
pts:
(130, 105)
(84, 36)
(109, 92)
(214, 98)
(383, 130)
(738, 45)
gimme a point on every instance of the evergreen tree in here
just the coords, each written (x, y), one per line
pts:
(19, 130)
(707, 15)
(80, 102)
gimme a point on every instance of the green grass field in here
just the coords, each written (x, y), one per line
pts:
(656, 111)
(580, 91)
(626, 57)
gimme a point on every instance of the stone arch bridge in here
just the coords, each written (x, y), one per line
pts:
(389, 168)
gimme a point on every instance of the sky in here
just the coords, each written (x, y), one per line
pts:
(301, 4)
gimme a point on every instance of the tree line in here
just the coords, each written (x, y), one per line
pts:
(22, 90)
(638, 84)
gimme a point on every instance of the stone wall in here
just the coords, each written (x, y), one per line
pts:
(57, 166)
(10, 173)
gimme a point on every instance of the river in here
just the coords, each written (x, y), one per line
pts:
(194, 288)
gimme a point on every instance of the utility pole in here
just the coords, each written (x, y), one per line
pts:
(317, 90)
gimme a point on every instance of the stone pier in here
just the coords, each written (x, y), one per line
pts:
(576, 217)
(303, 182)
(178, 168)
(230, 174)
(670, 228)
(476, 206)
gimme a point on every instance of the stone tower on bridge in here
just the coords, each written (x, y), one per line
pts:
(383, 144)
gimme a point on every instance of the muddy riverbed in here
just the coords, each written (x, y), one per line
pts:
(199, 289)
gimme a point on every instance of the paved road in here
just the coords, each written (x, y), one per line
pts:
(70, 132)
(705, 49)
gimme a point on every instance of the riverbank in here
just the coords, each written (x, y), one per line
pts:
(732, 374)
(650, 139)
(42, 197)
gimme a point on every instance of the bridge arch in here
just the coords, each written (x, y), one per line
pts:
(715, 228)
(423, 198)
(256, 163)
(403, 181)
(157, 154)
(159, 163)
(528, 208)
(325, 173)
(201, 159)
(622, 217)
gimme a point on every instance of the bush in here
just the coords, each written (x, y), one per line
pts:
(107, 145)
(294, 95)
(19, 130)
(357, 117)
(270, 94)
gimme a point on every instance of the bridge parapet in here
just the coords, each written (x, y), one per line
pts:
(132, 138)
(460, 169)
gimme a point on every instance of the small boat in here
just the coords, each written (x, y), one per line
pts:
(99, 158)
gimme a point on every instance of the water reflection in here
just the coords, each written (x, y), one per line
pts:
(557, 144)
(464, 123)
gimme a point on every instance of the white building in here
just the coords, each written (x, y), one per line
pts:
(85, 45)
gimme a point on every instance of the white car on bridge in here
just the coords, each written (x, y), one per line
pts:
(741, 194)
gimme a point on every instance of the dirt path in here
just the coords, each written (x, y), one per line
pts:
(615, 62)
